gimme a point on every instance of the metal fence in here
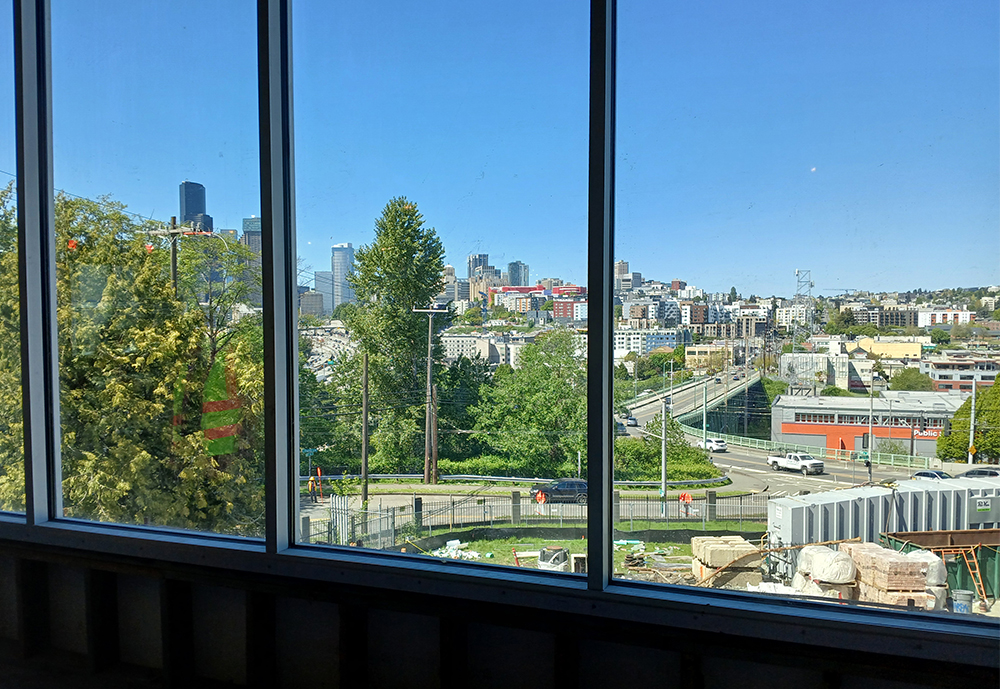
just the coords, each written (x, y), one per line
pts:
(393, 526)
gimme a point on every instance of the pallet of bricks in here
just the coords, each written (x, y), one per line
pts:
(885, 576)
(711, 553)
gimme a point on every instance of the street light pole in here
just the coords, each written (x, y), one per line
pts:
(972, 424)
(430, 473)
(704, 416)
(663, 459)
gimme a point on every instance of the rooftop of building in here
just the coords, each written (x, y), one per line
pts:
(902, 401)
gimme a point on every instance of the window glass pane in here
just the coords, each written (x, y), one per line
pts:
(441, 158)
(787, 174)
(155, 118)
(11, 427)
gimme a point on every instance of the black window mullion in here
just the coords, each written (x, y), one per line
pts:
(36, 260)
(600, 257)
(274, 60)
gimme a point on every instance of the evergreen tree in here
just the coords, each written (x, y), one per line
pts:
(401, 270)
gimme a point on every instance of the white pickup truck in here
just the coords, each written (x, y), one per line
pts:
(796, 461)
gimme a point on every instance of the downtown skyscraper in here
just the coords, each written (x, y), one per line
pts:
(341, 265)
(192, 206)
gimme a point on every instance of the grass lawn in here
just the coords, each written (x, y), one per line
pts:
(502, 550)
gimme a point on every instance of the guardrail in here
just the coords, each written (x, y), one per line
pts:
(880, 458)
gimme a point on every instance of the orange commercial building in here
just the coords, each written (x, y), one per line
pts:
(915, 419)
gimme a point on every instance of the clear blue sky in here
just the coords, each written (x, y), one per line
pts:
(859, 140)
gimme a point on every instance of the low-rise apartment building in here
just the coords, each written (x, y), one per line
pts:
(959, 372)
(928, 318)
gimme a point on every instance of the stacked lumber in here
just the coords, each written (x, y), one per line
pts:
(886, 576)
(710, 553)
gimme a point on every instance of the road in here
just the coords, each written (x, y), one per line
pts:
(747, 467)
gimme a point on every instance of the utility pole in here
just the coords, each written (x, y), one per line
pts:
(175, 232)
(173, 252)
(871, 413)
(663, 458)
(434, 444)
(364, 428)
(427, 418)
(671, 382)
(704, 415)
(746, 407)
(972, 424)
(635, 376)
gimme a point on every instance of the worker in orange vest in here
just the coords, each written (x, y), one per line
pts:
(312, 488)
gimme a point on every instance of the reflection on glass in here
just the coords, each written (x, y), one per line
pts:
(441, 227)
(785, 176)
(11, 426)
(160, 339)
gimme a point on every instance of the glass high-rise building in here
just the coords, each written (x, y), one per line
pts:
(341, 264)
(253, 239)
(324, 285)
(193, 206)
(517, 274)
(477, 261)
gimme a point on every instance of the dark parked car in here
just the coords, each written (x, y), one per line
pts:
(562, 490)
(981, 473)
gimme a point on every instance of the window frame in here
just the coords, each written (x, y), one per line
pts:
(597, 594)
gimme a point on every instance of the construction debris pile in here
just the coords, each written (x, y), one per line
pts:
(725, 561)
(456, 550)
(653, 566)
(917, 579)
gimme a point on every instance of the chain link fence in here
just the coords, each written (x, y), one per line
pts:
(392, 526)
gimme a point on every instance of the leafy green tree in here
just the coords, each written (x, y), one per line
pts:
(640, 459)
(773, 388)
(891, 447)
(962, 331)
(341, 312)
(11, 420)
(911, 379)
(212, 274)
(939, 336)
(955, 446)
(547, 306)
(401, 270)
(472, 317)
(460, 386)
(732, 294)
(133, 365)
(537, 412)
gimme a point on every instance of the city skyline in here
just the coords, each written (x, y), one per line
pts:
(851, 141)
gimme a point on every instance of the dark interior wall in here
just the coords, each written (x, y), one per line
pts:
(209, 627)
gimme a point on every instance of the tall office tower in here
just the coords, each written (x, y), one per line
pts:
(342, 263)
(324, 285)
(193, 206)
(621, 268)
(477, 261)
(449, 273)
(253, 239)
(517, 273)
